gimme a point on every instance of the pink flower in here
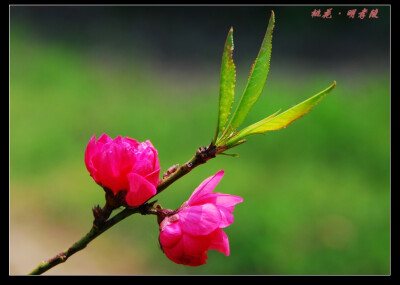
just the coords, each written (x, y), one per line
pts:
(189, 232)
(123, 164)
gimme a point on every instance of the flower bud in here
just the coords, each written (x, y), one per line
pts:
(124, 164)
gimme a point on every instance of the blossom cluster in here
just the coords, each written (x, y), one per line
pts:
(125, 165)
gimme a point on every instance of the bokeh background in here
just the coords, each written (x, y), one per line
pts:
(316, 194)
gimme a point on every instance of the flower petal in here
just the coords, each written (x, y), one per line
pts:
(155, 153)
(140, 190)
(199, 220)
(153, 177)
(132, 142)
(221, 200)
(103, 163)
(226, 217)
(220, 241)
(177, 254)
(147, 160)
(113, 164)
(90, 151)
(196, 245)
(170, 233)
(207, 186)
(103, 139)
(174, 252)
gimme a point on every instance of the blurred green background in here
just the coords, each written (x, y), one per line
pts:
(316, 194)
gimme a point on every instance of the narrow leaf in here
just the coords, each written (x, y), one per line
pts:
(229, 154)
(257, 78)
(276, 122)
(227, 85)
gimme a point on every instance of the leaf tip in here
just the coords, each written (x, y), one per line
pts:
(330, 88)
(273, 16)
(229, 154)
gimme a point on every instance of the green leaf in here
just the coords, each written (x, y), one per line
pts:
(227, 85)
(257, 78)
(276, 122)
(229, 154)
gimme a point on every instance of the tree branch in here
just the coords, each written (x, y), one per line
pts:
(101, 224)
